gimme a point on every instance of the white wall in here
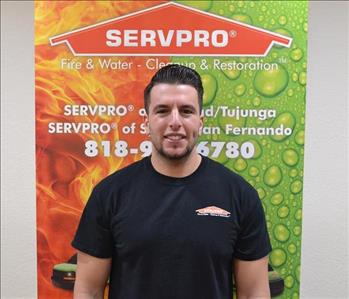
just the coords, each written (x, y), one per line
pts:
(325, 223)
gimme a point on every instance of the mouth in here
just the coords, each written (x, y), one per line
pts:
(174, 137)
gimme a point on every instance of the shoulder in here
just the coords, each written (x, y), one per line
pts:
(227, 175)
(120, 177)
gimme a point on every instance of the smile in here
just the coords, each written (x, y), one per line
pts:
(174, 137)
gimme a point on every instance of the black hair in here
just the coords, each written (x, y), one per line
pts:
(174, 74)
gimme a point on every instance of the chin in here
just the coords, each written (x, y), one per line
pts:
(174, 154)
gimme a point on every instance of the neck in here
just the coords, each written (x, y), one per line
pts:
(176, 168)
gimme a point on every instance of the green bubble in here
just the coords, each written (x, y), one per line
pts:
(277, 198)
(261, 192)
(210, 87)
(299, 138)
(292, 248)
(243, 18)
(277, 257)
(295, 295)
(305, 27)
(282, 20)
(302, 78)
(293, 173)
(290, 157)
(296, 54)
(283, 31)
(273, 176)
(298, 214)
(289, 281)
(241, 4)
(231, 74)
(268, 225)
(297, 230)
(290, 92)
(240, 164)
(281, 233)
(271, 83)
(296, 186)
(283, 212)
(202, 5)
(294, 77)
(287, 120)
(298, 272)
(253, 171)
(240, 89)
(256, 101)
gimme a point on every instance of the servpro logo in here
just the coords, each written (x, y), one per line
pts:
(172, 38)
(159, 31)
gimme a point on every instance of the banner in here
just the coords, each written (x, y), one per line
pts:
(93, 60)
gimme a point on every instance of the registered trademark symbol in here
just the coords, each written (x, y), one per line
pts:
(130, 107)
(233, 33)
(113, 125)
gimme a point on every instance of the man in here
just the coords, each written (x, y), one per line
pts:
(175, 225)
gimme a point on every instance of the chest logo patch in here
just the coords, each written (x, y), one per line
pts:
(212, 211)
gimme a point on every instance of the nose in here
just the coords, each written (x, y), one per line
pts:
(175, 122)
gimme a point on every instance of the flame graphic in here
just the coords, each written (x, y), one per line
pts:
(65, 175)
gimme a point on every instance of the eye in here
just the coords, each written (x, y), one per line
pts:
(187, 111)
(161, 111)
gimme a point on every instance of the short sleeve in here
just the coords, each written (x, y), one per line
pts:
(93, 235)
(253, 241)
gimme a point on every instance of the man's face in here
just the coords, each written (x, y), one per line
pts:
(173, 120)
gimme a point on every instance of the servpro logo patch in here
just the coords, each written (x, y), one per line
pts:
(170, 29)
(212, 211)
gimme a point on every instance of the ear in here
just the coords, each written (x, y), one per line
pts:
(146, 122)
(201, 124)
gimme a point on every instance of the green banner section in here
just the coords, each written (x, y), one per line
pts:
(254, 111)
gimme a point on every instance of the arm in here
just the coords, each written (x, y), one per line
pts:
(91, 276)
(251, 279)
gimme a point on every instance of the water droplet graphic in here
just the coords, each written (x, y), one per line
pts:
(296, 186)
(261, 192)
(273, 176)
(293, 173)
(298, 214)
(290, 157)
(281, 233)
(253, 171)
(277, 257)
(302, 78)
(240, 165)
(256, 101)
(289, 281)
(285, 120)
(297, 230)
(242, 18)
(277, 198)
(282, 20)
(210, 87)
(294, 77)
(283, 212)
(298, 272)
(271, 83)
(292, 248)
(240, 89)
(296, 54)
(299, 138)
(231, 74)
